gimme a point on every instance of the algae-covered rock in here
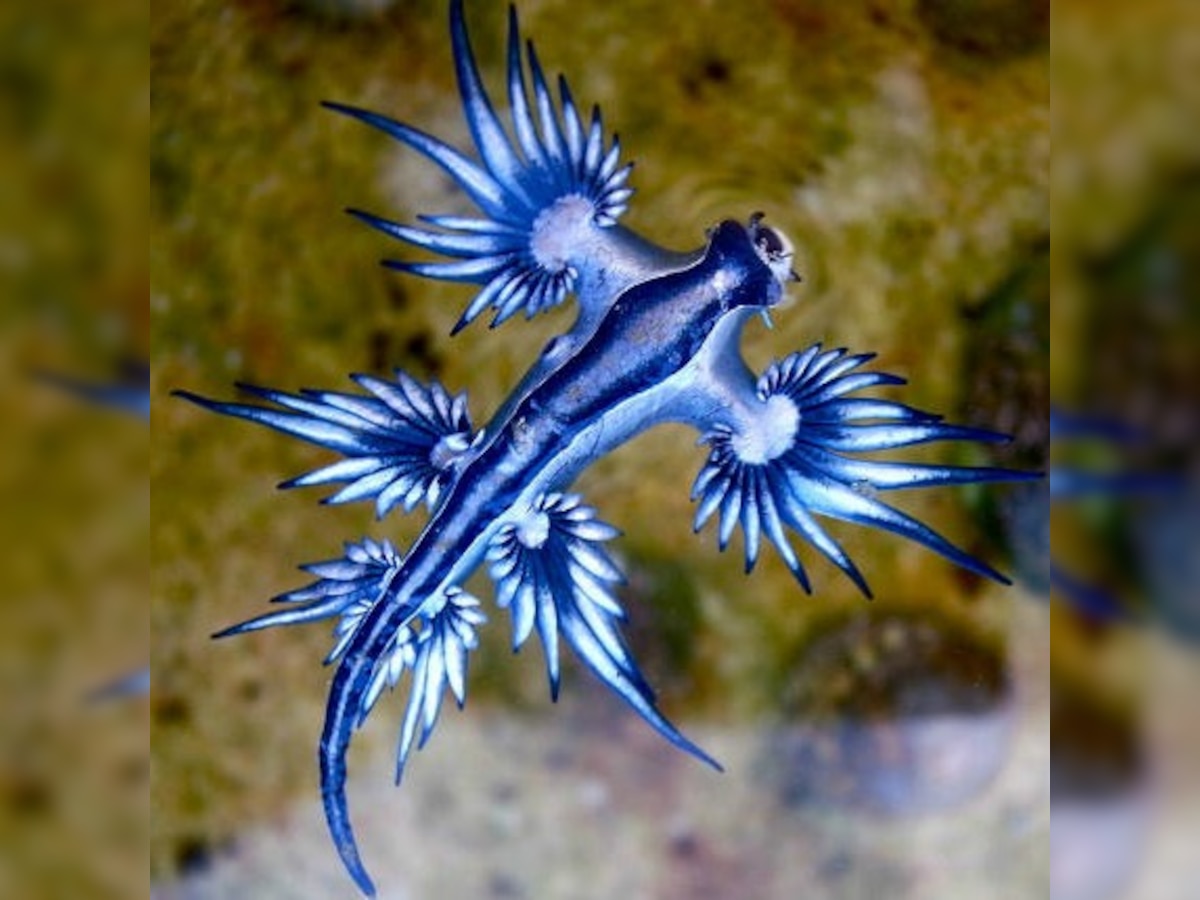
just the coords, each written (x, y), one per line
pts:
(894, 712)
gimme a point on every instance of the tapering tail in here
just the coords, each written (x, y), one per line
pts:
(388, 642)
(342, 716)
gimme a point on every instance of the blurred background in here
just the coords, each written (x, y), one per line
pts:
(74, 513)
(1125, 265)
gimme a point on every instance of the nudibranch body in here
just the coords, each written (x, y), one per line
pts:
(656, 340)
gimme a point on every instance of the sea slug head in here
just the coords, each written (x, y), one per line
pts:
(773, 248)
(753, 263)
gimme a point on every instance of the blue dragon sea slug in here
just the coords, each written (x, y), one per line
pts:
(656, 340)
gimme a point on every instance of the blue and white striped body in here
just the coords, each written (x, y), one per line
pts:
(619, 383)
